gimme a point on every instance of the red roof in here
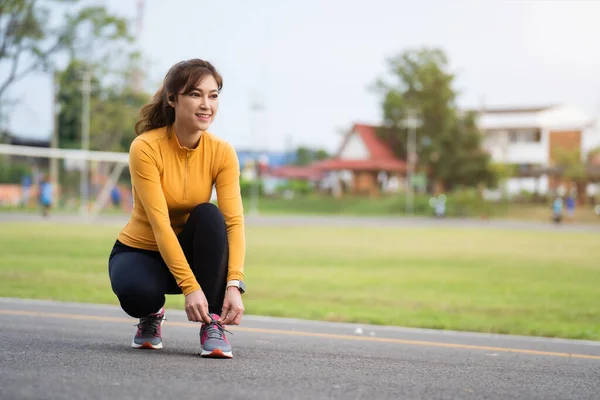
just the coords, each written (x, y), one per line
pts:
(381, 156)
(375, 146)
(364, 165)
(297, 172)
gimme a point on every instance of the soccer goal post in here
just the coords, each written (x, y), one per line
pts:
(73, 160)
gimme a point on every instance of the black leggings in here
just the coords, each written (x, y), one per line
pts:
(141, 279)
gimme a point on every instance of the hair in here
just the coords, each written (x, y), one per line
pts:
(181, 78)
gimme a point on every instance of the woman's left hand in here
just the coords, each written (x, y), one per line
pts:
(233, 308)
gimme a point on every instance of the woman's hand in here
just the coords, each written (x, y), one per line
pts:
(196, 307)
(233, 308)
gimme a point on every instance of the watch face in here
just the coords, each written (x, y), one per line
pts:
(242, 287)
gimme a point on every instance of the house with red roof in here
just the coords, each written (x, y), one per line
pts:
(363, 163)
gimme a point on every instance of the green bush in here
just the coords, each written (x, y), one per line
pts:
(465, 202)
(13, 173)
(299, 188)
(246, 187)
(461, 203)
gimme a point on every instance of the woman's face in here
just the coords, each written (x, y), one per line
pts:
(196, 110)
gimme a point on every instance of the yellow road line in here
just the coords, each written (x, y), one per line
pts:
(312, 334)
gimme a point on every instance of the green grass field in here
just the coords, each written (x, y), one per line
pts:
(532, 283)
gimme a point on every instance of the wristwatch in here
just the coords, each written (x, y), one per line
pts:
(238, 284)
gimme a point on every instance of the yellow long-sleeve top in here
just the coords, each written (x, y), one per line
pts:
(168, 181)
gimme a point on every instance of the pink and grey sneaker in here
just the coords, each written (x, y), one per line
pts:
(213, 341)
(149, 333)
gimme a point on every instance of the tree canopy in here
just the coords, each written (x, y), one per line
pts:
(35, 34)
(449, 142)
(114, 106)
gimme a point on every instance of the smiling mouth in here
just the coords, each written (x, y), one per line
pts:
(203, 115)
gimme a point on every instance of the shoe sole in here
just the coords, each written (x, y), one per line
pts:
(147, 345)
(216, 353)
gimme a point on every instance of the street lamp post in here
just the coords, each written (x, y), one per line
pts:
(255, 108)
(54, 170)
(411, 122)
(85, 139)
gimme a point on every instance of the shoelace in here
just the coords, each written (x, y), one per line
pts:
(215, 330)
(151, 323)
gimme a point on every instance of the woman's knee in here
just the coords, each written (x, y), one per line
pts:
(208, 214)
(138, 307)
(133, 280)
(136, 290)
(207, 210)
(136, 298)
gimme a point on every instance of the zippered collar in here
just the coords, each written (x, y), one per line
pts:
(180, 150)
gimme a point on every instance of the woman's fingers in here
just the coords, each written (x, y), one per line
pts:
(205, 316)
(194, 314)
(234, 317)
(228, 318)
(238, 318)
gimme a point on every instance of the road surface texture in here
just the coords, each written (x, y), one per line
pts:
(55, 350)
(332, 220)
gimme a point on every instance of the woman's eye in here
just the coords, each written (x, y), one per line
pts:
(214, 96)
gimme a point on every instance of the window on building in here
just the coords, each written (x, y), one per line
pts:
(525, 136)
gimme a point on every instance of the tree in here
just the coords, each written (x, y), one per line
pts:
(575, 170)
(503, 172)
(593, 156)
(306, 156)
(70, 104)
(449, 142)
(30, 42)
(115, 114)
(570, 164)
(461, 160)
(114, 106)
(571, 169)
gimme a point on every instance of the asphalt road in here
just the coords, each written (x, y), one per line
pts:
(332, 220)
(54, 350)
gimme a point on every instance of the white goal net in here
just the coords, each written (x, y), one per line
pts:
(88, 182)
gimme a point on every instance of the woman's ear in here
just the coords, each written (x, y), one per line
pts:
(171, 99)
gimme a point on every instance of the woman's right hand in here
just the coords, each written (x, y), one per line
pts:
(196, 307)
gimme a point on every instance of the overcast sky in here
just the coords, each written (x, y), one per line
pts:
(312, 62)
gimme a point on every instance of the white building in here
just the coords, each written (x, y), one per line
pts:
(526, 137)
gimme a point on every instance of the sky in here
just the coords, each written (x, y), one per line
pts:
(312, 63)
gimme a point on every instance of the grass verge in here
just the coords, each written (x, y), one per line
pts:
(530, 283)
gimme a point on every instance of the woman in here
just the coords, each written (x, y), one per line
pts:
(176, 241)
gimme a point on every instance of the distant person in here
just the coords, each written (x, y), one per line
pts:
(557, 210)
(45, 196)
(115, 197)
(440, 206)
(26, 190)
(570, 204)
(176, 242)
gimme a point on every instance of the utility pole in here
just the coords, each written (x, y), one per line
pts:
(54, 178)
(137, 75)
(85, 140)
(411, 122)
(255, 108)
